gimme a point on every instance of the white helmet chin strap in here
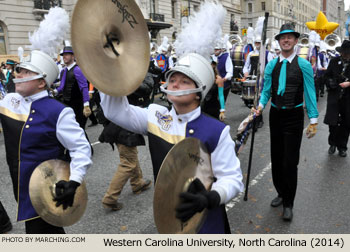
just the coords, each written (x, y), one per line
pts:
(180, 92)
(35, 77)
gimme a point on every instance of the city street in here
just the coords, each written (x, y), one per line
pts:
(321, 206)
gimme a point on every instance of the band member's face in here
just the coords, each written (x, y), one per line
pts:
(9, 67)
(257, 45)
(217, 52)
(29, 87)
(287, 42)
(179, 81)
(68, 58)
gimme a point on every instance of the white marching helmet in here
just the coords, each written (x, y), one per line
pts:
(40, 63)
(275, 46)
(257, 39)
(219, 44)
(197, 68)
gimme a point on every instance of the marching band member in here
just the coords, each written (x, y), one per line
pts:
(286, 79)
(252, 62)
(214, 102)
(10, 75)
(275, 51)
(38, 128)
(186, 85)
(74, 87)
(322, 64)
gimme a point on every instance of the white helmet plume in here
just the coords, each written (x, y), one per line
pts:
(20, 52)
(202, 31)
(250, 35)
(52, 31)
(258, 29)
(164, 46)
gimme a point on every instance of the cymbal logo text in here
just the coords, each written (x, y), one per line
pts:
(126, 15)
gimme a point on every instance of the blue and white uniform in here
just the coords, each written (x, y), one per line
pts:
(38, 128)
(166, 128)
(225, 68)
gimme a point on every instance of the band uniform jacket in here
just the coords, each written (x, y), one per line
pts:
(165, 128)
(38, 128)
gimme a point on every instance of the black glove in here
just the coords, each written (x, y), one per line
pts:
(65, 191)
(196, 199)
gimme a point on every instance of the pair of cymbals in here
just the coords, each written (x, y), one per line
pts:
(187, 160)
(111, 44)
(42, 193)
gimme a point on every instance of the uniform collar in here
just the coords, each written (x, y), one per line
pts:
(290, 58)
(71, 66)
(190, 116)
(36, 96)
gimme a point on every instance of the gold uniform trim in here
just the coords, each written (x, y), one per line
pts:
(19, 166)
(155, 130)
(10, 114)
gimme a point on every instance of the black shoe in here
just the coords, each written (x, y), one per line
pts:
(342, 153)
(331, 149)
(6, 227)
(276, 201)
(92, 124)
(322, 94)
(287, 214)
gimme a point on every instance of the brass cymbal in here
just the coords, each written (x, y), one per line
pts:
(42, 192)
(111, 44)
(187, 160)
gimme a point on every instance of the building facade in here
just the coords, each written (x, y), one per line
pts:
(280, 11)
(176, 12)
(20, 17)
(334, 11)
(292, 11)
(164, 18)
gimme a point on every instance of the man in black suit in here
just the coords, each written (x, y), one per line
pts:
(338, 101)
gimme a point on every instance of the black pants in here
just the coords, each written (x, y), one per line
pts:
(339, 136)
(4, 218)
(78, 108)
(339, 133)
(320, 84)
(92, 117)
(39, 226)
(286, 131)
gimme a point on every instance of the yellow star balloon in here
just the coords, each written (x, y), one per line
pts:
(322, 26)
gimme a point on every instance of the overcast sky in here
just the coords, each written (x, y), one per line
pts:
(347, 2)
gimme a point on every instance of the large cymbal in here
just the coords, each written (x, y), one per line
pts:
(186, 161)
(94, 22)
(42, 192)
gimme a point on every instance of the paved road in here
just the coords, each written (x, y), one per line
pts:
(321, 204)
